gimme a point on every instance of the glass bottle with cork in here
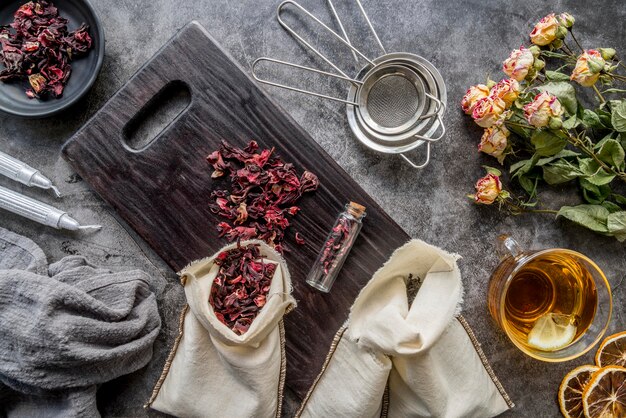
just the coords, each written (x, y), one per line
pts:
(336, 247)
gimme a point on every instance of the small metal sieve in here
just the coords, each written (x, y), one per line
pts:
(394, 104)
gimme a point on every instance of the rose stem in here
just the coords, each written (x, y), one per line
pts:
(525, 210)
(598, 93)
(569, 49)
(576, 40)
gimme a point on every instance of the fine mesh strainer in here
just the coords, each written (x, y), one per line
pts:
(394, 104)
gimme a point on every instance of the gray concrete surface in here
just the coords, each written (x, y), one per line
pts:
(466, 40)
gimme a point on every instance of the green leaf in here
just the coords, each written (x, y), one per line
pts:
(613, 91)
(522, 167)
(612, 153)
(517, 117)
(547, 143)
(563, 154)
(593, 193)
(571, 123)
(616, 224)
(601, 142)
(605, 118)
(618, 115)
(594, 217)
(612, 207)
(565, 92)
(492, 170)
(594, 173)
(619, 198)
(560, 171)
(556, 76)
(518, 165)
(529, 184)
(591, 119)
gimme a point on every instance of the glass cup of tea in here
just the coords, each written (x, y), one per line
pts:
(553, 304)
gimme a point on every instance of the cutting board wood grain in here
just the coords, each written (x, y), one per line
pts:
(162, 189)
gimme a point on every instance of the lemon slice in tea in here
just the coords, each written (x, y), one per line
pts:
(552, 332)
(605, 394)
(571, 391)
(612, 351)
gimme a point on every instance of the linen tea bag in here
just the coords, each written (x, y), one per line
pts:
(399, 360)
(212, 371)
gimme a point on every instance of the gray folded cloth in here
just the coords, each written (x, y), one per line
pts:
(67, 328)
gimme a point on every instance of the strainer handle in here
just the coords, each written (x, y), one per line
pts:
(319, 22)
(441, 108)
(311, 93)
(422, 165)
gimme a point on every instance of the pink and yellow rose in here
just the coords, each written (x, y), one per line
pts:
(545, 31)
(495, 141)
(488, 110)
(473, 95)
(507, 89)
(588, 67)
(543, 107)
(519, 63)
(488, 189)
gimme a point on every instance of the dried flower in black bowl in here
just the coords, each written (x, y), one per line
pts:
(51, 55)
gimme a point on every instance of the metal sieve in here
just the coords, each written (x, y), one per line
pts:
(394, 104)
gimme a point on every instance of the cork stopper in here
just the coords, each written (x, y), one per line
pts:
(356, 210)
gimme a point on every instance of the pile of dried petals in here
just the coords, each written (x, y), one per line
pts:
(262, 194)
(240, 288)
(40, 48)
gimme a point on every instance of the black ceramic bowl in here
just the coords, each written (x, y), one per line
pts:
(13, 100)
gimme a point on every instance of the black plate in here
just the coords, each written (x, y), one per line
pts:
(13, 100)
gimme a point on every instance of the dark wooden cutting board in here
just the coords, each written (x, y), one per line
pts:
(162, 190)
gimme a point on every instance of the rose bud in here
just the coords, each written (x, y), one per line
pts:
(507, 89)
(541, 109)
(539, 64)
(488, 111)
(588, 67)
(545, 30)
(536, 51)
(488, 189)
(518, 63)
(561, 32)
(555, 123)
(473, 95)
(557, 43)
(567, 20)
(495, 141)
(607, 53)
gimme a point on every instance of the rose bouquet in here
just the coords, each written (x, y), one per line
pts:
(535, 124)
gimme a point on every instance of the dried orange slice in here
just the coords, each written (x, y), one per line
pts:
(612, 351)
(571, 391)
(605, 394)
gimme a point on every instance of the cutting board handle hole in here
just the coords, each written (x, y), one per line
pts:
(157, 115)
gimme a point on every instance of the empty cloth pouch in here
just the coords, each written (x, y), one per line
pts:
(212, 371)
(398, 359)
(66, 328)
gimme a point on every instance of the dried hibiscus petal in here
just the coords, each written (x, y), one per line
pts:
(38, 47)
(262, 192)
(240, 288)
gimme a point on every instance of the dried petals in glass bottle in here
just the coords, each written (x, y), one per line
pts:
(336, 247)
